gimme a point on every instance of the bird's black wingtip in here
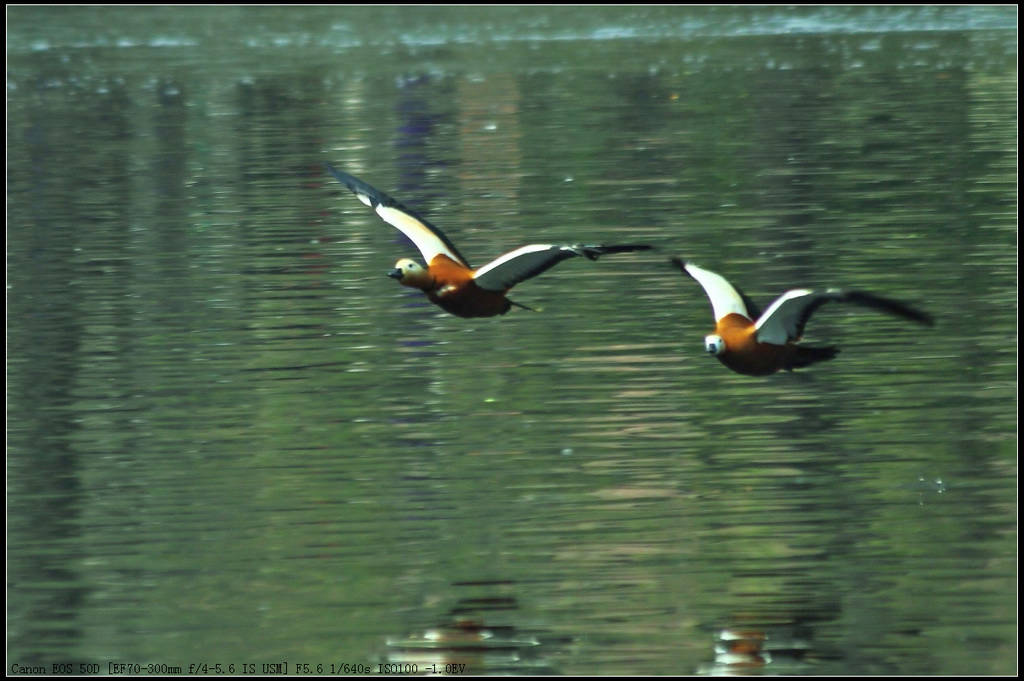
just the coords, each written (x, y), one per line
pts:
(893, 307)
(367, 194)
(916, 315)
(593, 251)
(619, 248)
(340, 176)
(679, 262)
(628, 248)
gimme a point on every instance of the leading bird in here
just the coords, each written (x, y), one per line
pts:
(758, 344)
(447, 279)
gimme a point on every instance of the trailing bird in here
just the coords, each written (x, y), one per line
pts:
(758, 344)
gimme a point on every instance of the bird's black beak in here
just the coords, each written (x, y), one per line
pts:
(395, 273)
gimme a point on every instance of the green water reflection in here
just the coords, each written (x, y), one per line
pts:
(231, 438)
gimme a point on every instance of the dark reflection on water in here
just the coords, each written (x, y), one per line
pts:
(231, 437)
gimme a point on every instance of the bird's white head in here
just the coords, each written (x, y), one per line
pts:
(409, 272)
(714, 344)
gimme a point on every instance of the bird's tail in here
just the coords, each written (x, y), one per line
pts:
(807, 355)
(525, 307)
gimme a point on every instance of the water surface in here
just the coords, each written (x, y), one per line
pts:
(232, 440)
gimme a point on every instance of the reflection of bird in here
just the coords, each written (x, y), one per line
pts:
(448, 280)
(764, 346)
(741, 650)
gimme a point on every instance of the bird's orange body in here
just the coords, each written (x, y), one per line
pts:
(745, 355)
(452, 288)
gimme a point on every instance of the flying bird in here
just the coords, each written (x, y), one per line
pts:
(757, 343)
(447, 278)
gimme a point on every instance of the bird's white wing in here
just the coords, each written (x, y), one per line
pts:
(430, 240)
(725, 298)
(784, 319)
(506, 271)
